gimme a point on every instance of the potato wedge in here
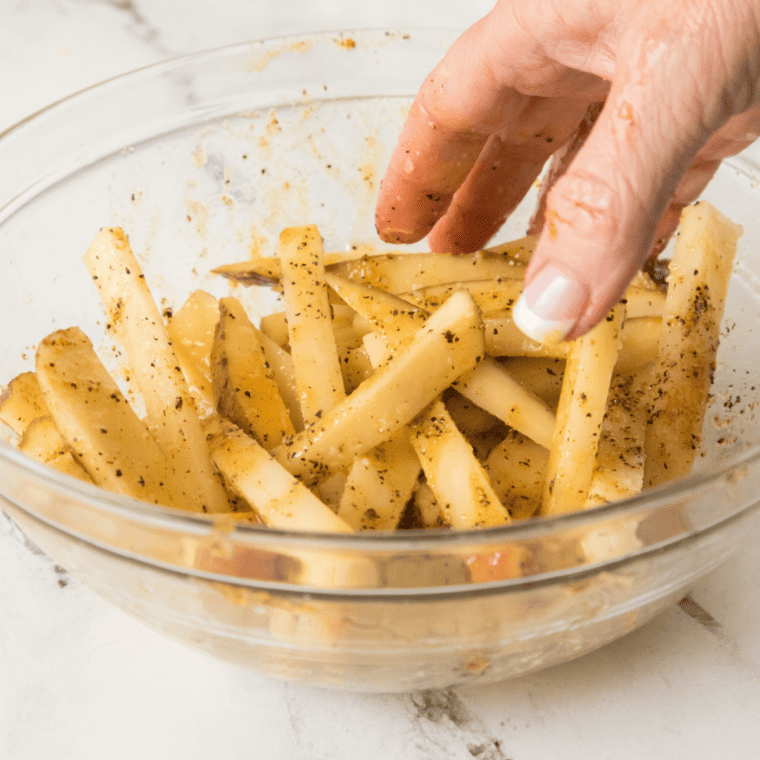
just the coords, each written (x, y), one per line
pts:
(697, 288)
(449, 344)
(585, 388)
(459, 482)
(245, 391)
(98, 425)
(137, 322)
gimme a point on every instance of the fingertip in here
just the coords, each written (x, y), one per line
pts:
(551, 304)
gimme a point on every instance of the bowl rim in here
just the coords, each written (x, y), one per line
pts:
(421, 539)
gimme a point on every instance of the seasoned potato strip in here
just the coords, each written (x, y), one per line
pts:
(172, 415)
(638, 336)
(520, 250)
(98, 425)
(619, 465)
(281, 364)
(486, 385)
(492, 388)
(275, 327)
(21, 402)
(245, 391)
(42, 441)
(541, 375)
(379, 485)
(697, 288)
(459, 482)
(396, 273)
(388, 313)
(642, 302)
(490, 295)
(191, 331)
(585, 387)
(312, 343)
(517, 469)
(449, 344)
(279, 499)
(267, 270)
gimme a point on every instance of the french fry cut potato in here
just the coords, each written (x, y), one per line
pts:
(267, 270)
(191, 331)
(21, 402)
(697, 288)
(379, 485)
(520, 250)
(543, 376)
(42, 441)
(245, 390)
(585, 388)
(385, 312)
(281, 364)
(171, 410)
(279, 499)
(492, 388)
(396, 273)
(517, 470)
(275, 327)
(489, 295)
(459, 482)
(98, 425)
(316, 367)
(619, 466)
(448, 345)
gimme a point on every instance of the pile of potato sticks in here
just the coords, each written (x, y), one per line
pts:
(390, 384)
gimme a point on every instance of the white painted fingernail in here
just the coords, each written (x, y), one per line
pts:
(550, 305)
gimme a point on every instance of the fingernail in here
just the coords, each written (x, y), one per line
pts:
(550, 305)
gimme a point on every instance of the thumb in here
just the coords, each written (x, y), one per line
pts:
(671, 90)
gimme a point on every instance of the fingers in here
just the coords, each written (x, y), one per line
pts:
(602, 215)
(505, 170)
(458, 107)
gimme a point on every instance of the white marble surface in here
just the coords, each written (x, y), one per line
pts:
(80, 681)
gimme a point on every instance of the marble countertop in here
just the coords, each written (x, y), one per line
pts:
(79, 680)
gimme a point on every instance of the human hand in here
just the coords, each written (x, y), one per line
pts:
(678, 81)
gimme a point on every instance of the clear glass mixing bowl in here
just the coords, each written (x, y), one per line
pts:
(203, 160)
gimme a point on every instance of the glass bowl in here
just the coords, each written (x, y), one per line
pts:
(203, 160)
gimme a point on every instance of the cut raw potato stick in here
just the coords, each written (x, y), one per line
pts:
(492, 388)
(517, 470)
(191, 331)
(316, 366)
(448, 345)
(245, 390)
(21, 402)
(279, 499)
(459, 482)
(697, 288)
(98, 425)
(42, 441)
(380, 484)
(137, 322)
(619, 466)
(582, 404)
